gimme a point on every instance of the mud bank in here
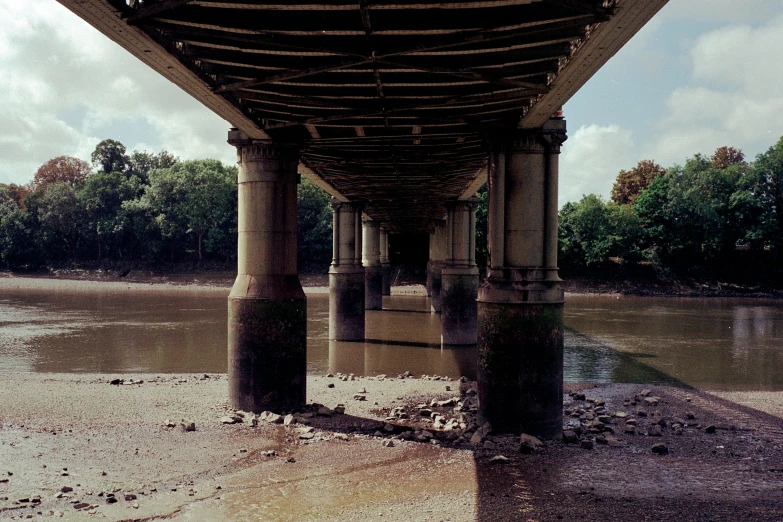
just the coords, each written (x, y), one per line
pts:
(81, 448)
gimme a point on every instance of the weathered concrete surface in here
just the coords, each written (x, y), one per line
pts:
(218, 471)
(458, 305)
(346, 303)
(520, 367)
(373, 287)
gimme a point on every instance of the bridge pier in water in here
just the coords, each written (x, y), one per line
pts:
(267, 309)
(346, 275)
(459, 275)
(371, 259)
(520, 305)
(435, 264)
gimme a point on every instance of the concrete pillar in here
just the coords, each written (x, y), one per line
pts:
(385, 264)
(371, 259)
(520, 305)
(459, 275)
(267, 309)
(346, 275)
(435, 265)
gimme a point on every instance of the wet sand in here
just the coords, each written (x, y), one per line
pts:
(113, 440)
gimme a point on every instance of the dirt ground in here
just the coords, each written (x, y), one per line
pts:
(81, 448)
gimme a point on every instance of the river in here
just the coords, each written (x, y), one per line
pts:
(713, 343)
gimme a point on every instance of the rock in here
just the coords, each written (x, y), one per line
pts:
(447, 402)
(652, 401)
(290, 459)
(528, 444)
(480, 433)
(228, 419)
(82, 505)
(578, 396)
(613, 443)
(268, 453)
(645, 393)
(115, 382)
(339, 409)
(425, 412)
(629, 428)
(111, 499)
(288, 420)
(488, 444)
(710, 429)
(654, 431)
(389, 428)
(660, 449)
(254, 422)
(188, 426)
(690, 415)
(304, 429)
(323, 411)
(641, 413)
(306, 436)
(586, 444)
(570, 437)
(129, 497)
(274, 418)
(389, 444)
(359, 397)
(341, 436)
(499, 459)
(330, 385)
(170, 424)
(66, 489)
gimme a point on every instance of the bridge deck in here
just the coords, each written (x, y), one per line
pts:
(394, 101)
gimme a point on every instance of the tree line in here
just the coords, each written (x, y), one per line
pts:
(717, 216)
(713, 216)
(138, 208)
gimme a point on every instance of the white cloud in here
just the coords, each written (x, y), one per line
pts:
(591, 159)
(719, 11)
(52, 63)
(735, 96)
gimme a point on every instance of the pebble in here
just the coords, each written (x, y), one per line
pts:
(660, 449)
(228, 419)
(710, 429)
(188, 426)
(570, 437)
(654, 431)
(330, 385)
(528, 443)
(388, 444)
(289, 419)
(339, 409)
(499, 459)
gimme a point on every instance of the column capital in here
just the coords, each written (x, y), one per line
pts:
(251, 149)
(553, 133)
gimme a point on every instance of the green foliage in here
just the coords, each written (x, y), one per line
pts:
(314, 228)
(482, 225)
(109, 156)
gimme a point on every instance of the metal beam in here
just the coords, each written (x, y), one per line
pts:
(146, 11)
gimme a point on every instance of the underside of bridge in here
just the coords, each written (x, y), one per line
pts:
(401, 110)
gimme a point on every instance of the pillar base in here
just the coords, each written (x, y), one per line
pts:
(373, 287)
(386, 281)
(520, 358)
(267, 344)
(458, 305)
(346, 303)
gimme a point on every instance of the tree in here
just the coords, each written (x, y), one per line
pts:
(769, 189)
(102, 218)
(15, 193)
(109, 156)
(482, 227)
(314, 227)
(725, 157)
(140, 163)
(53, 209)
(630, 183)
(62, 169)
(193, 202)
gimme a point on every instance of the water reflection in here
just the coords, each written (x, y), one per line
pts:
(712, 343)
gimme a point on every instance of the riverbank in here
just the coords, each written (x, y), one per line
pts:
(576, 285)
(82, 448)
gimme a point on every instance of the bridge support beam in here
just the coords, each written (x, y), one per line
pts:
(267, 309)
(346, 275)
(520, 305)
(385, 264)
(436, 262)
(371, 259)
(459, 275)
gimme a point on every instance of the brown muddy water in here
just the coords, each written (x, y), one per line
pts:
(730, 344)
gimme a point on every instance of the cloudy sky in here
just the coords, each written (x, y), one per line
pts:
(702, 74)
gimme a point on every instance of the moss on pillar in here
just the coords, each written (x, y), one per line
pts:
(267, 359)
(520, 367)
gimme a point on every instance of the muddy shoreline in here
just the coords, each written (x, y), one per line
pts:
(218, 279)
(79, 448)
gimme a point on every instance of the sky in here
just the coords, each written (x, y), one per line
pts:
(702, 74)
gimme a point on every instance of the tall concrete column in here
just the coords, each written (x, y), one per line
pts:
(267, 309)
(385, 264)
(459, 276)
(371, 259)
(346, 275)
(438, 241)
(520, 305)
